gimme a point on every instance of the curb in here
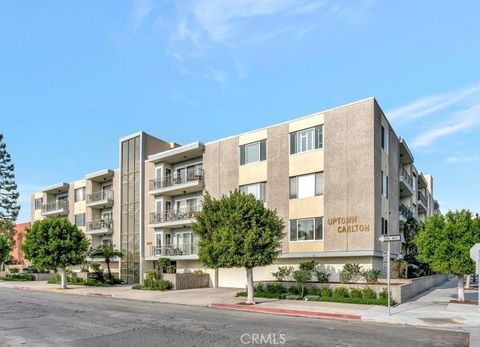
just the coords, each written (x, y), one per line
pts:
(287, 312)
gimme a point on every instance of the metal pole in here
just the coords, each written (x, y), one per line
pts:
(388, 276)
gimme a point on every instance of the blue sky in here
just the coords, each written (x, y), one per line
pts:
(77, 76)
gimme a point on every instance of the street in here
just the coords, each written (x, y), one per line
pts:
(30, 318)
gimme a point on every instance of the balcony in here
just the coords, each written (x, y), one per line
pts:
(406, 183)
(55, 209)
(174, 218)
(188, 182)
(173, 251)
(422, 203)
(100, 199)
(100, 227)
(405, 213)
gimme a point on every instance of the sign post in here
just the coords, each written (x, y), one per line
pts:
(475, 255)
(388, 239)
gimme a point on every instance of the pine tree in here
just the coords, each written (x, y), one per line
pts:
(8, 189)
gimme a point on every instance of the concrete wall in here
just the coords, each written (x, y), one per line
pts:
(187, 280)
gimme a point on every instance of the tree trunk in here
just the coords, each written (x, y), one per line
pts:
(107, 261)
(461, 292)
(250, 298)
(63, 279)
(467, 285)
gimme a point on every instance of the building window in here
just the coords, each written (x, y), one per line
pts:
(384, 226)
(80, 220)
(384, 185)
(253, 152)
(309, 229)
(38, 203)
(259, 190)
(107, 242)
(80, 194)
(306, 185)
(385, 139)
(306, 140)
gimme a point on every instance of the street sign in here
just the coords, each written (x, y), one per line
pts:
(390, 238)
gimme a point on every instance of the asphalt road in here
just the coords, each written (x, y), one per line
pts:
(30, 318)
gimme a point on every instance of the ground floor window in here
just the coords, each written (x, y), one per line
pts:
(306, 229)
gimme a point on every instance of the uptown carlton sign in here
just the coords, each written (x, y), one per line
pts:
(348, 224)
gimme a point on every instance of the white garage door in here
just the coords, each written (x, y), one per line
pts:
(232, 278)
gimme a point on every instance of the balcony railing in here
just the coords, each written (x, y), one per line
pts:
(55, 206)
(406, 211)
(169, 181)
(407, 177)
(174, 250)
(99, 224)
(183, 213)
(422, 198)
(100, 196)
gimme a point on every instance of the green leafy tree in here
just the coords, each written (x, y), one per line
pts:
(105, 253)
(237, 230)
(410, 229)
(5, 248)
(8, 189)
(55, 244)
(445, 242)
(302, 277)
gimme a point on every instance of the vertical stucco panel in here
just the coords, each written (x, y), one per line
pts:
(211, 167)
(277, 174)
(71, 203)
(116, 209)
(228, 164)
(88, 210)
(149, 206)
(349, 171)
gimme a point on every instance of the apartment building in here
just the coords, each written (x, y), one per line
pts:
(339, 179)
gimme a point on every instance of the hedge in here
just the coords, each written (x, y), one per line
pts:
(18, 277)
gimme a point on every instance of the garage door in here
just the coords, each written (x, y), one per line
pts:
(232, 278)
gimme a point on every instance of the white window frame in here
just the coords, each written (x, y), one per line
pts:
(245, 186)
(385, 183)
(314, 228)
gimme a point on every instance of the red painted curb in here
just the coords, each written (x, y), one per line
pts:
(287, 312)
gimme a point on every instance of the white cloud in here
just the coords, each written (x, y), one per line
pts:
(430, 104)
(141, 10)
(461, 121)
(463, 159)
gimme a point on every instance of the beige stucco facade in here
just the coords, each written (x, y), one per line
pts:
(325, 171)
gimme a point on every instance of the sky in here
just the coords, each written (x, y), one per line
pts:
(77, 76)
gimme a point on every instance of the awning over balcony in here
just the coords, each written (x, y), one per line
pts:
(178, 154)
(406, 156)
(58, 188)
(100, 176)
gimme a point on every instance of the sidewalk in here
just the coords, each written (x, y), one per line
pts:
(431, 309)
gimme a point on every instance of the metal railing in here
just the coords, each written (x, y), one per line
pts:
(407, 177)
(54, 206)
(100, 196)
(182, 213)
(173, 180)
(422, 198)
(174, 250)
(406, 211)
(100, 224)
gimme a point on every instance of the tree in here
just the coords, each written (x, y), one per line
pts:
(238, 231)
(5, 248)
(8, 189)
(55, 244)
(410, 229)
(444, 244)
(105, 253)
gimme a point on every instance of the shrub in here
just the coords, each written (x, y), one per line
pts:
(258, 287)
(157, 285)
(350, 272)
(295, 290)
(275, 288)
(308, 265)
(93, 283)
(75, 280)
(371, 276)
(356, 293)
(302, 277)
(383, 295)
(314, 291)
(163, 263)
(293, 297)
(340, 292)
(345, 276)
(264, 295)
(368, 293)
(322, 276)
(151, 277)
(97, 273)
(14, 270)
(326, 292)
(283, 273)
(137, 286)
(19, 277)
